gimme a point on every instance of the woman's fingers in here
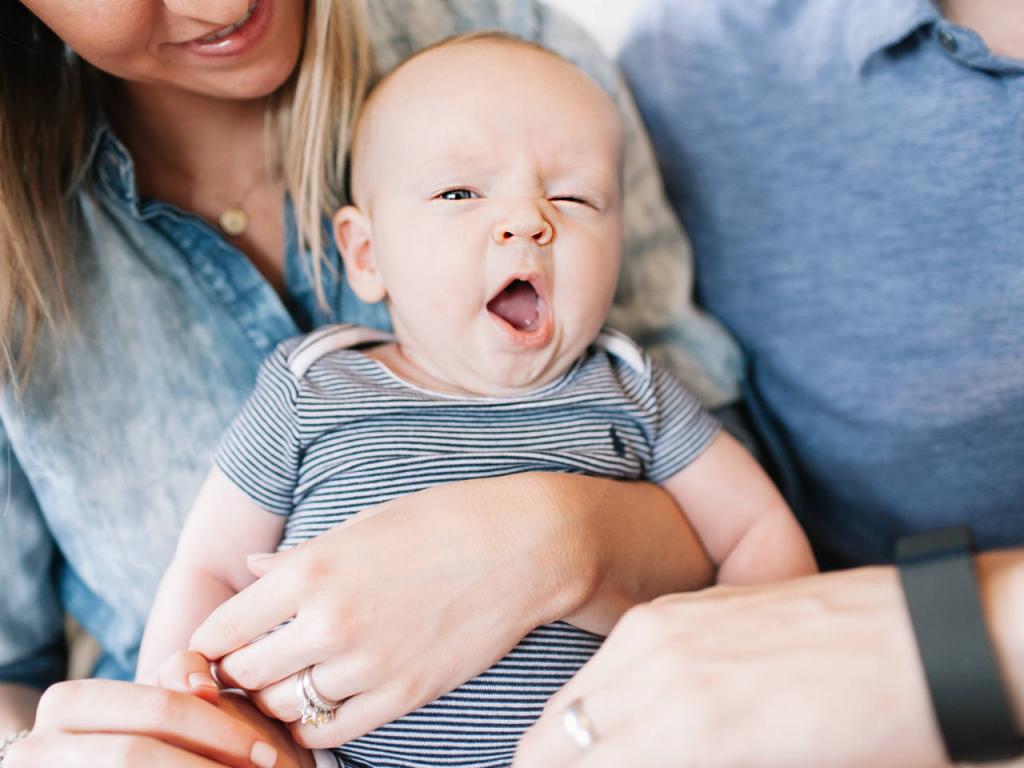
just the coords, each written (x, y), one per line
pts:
(101, 750)
(272, 657)
(189, 672)
(262, 563)
(355, 717)
(177, 719)
(254, 611)
(334, 680)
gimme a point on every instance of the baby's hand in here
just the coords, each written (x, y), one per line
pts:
(189, 672)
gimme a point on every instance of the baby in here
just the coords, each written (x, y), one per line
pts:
(486, 180)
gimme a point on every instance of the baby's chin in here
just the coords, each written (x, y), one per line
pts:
(486, 361)
(523, 370)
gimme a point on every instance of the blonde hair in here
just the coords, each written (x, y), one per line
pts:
(41, 155)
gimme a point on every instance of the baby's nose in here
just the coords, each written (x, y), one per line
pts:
(523, 224)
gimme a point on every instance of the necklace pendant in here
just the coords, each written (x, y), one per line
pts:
(233, 221)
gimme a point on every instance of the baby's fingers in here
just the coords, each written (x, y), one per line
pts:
(189, 672)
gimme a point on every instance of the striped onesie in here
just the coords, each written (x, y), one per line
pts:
(328, 432)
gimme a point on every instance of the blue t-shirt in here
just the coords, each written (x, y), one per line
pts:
(849, 175)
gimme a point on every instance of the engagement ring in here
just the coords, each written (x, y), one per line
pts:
(313, 708)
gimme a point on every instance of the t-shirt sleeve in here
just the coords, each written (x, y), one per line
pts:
(260, 450)
(681, 429)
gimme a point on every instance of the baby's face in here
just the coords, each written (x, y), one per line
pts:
(490, 175)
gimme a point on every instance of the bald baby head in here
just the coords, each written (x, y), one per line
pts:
(482, 78)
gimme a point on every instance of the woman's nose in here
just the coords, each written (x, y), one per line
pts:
(524, 224)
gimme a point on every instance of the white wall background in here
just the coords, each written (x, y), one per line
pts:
(607, 20)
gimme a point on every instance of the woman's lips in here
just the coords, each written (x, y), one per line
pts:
(238, 37)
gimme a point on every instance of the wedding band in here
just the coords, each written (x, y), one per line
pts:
(577, 724)
(313, 708)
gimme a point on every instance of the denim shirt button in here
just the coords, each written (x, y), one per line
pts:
(947, 41)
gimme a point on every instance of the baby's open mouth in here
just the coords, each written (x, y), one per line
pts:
(516, 304)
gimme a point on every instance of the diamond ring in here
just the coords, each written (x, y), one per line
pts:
(314, 709)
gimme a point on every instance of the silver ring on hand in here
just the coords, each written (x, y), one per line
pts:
(314, 709)
(578, 725)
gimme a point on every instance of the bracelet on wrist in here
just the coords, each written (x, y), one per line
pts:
(968, 694)
(9, 739)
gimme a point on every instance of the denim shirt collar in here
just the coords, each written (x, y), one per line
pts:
(108, 163)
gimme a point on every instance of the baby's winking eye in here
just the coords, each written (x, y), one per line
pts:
(571, 199)
(458, 194)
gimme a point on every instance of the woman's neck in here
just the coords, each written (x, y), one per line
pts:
(1000, 23)
(187, 145)
(208, 156)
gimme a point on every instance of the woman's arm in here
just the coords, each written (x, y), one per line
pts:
(634, 545)
(820, 671)
(409, 600)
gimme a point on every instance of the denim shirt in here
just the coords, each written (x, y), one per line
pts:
(106, 447)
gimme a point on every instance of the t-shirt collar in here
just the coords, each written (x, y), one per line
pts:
(876, 25)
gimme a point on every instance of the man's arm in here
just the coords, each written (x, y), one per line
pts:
(835, 652)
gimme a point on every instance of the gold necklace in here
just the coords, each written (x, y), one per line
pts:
(233, 220)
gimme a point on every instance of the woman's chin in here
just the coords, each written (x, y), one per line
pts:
(247, 85)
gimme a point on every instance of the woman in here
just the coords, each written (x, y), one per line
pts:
(149, 264)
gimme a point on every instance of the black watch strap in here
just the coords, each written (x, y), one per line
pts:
(967, 689)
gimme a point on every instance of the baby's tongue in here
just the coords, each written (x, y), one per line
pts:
(516, 305)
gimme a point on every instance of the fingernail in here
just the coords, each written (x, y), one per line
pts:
(257, 556)
(263, 755)
(199, 680)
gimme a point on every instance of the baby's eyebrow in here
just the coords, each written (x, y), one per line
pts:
(580, 175)
(455, 163)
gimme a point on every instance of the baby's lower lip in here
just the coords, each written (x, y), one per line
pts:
(533, 338)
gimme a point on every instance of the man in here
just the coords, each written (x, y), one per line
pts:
(848, 173)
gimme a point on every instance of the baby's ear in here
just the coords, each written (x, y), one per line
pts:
(354, 236)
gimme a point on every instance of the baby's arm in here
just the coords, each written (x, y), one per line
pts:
(209, 566)
(741, 518)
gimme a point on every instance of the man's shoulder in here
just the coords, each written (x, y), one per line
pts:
(741, 19)
(755, 38)
(713, 75)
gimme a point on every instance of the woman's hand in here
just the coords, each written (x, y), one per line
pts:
(821, 671)
(409, 600)
(109, 724)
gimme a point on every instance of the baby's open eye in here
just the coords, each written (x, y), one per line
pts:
(458, 194)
